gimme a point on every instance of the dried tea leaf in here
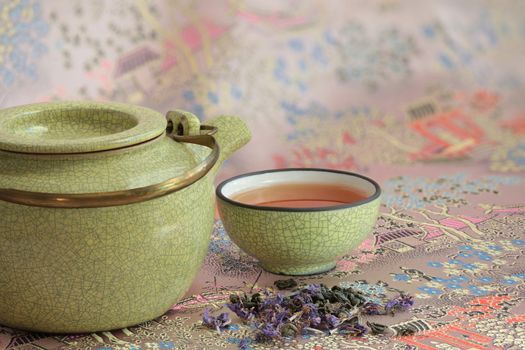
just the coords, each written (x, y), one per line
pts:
(377, 328)
(285, 284)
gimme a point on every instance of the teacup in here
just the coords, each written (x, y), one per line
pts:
(298, 240)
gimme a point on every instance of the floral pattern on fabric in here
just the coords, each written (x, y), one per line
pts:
(426, 97)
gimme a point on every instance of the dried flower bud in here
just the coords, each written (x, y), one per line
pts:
(377, 328)
(269, 331)
(218, 323)
(313, 309)
(234, 299)
(244, 344)
(371, 308)
(405, 331)
(352, 329)
(289, 330)
(285, 284)
(401, 303)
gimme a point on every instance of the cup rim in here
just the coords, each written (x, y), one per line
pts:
(369, 199)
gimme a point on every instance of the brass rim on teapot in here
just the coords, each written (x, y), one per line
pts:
(130, 196)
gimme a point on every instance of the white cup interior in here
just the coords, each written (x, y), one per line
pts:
(231, 188)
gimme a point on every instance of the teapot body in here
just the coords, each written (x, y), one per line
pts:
(91, 269)
(67, 267)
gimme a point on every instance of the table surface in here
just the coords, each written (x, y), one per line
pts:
(426, 97)
(465, 267)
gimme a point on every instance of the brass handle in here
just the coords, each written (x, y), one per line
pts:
(135, 195)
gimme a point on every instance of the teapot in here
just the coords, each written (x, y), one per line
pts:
(106, 211)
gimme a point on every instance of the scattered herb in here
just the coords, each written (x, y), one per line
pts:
(406, 331)
(401, 303)
(289, 330)
(314, 308)
(371, 308)
(352, 329)
(285, 284)
(244, 344)
(377, 328)
(218, 323)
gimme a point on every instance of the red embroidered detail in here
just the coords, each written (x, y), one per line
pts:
(451, 134)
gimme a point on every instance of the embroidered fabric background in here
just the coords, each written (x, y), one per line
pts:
(424, 96)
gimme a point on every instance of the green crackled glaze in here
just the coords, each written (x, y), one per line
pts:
(298, 242)
(76, 127)
(92, 269)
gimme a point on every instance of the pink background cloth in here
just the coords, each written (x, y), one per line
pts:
(427, 97)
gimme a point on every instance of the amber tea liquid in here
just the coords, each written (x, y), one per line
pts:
(309, 195)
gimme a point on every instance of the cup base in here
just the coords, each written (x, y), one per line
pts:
(299, 270)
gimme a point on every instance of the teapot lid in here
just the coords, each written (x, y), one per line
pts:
(77, 127)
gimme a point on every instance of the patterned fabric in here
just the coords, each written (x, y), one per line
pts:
(424, 96)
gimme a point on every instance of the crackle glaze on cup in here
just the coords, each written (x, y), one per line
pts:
(91, 269)
(298, 241)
